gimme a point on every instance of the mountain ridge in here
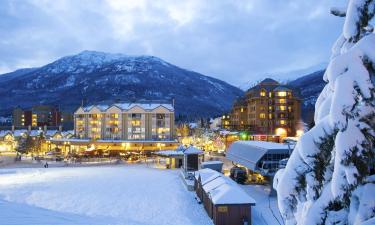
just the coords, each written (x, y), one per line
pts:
(98, 76)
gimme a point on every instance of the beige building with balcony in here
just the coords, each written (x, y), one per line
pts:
(125, 121)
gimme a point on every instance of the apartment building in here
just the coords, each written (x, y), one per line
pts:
(268, 108)
(41, 115)
(125, 121)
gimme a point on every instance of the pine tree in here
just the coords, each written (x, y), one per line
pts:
(329, 177)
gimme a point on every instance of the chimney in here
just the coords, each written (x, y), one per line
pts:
(45, 128)
(13, 128)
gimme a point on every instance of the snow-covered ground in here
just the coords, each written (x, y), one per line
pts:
(123, 194)
(265, 211)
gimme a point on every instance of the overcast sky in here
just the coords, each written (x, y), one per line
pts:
(236, 41)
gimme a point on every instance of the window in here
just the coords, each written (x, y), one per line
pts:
(281, 93)
(270, 94)
(263, 93)
(262, 115)
(241, 109)
(282, 122)
(270, 116)
(282, 100)
(282, 107)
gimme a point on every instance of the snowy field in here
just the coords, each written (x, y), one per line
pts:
(124, 194)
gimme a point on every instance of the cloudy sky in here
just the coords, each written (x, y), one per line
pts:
(237, 41)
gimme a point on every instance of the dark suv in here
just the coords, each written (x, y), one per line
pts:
(238, 174)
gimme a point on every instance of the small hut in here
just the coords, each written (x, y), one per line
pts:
(215, 165)
(192, 159)
(231, 205)
(224, 201)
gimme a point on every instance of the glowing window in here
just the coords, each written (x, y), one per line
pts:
(241, 109)
(282, 122)
(263, 93)
(281, 93)
(282, 100)
(262, 115)
(282, 107)
(270, 116)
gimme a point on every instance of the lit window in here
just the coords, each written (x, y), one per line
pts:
(241, 109)
(262, 115)
(282, 107)
(281, 93)
(282, 100)
(263, 93)
(270, 116)
(270, 94)
(282, 122)
(136, 122)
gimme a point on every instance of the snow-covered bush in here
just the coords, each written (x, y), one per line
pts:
(329, 178)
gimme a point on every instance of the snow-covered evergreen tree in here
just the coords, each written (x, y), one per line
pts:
(329, 178)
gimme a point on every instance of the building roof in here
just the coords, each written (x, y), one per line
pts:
(192, 150)
(269, 81)
(125, 106)
(248, 153)
(271, 85)
(3, 133)
(222, 190)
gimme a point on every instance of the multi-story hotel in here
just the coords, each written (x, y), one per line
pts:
(268, 108)
(37, 116)
(125, 121)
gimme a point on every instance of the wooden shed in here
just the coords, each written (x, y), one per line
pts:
(192, 159)
(202, 177)
(224, 201)
(231, 205)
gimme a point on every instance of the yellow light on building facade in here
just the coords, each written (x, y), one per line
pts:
(299, 133)
(281, 132)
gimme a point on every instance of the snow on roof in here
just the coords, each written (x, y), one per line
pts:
(18, 133)
(50, 133)
(34, 133)
(170, 153)
(248, 153)
(192, 150)
(281, 88)
(230, 194)
(67, 133)
(222, 190)
(128, 105)
(69, 140)
(212, 162)
(5, 132)
(207, 175)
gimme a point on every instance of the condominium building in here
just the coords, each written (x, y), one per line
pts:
(125, 121)
(41, 115)
(268, 108)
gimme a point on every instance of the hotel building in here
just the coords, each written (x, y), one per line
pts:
(268, 108)
(125, 121)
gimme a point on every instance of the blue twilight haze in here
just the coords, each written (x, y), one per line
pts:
(234, 40)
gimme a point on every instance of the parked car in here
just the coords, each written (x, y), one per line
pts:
(238, 174)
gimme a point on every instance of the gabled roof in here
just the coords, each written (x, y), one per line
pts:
(269, 81)
(222, 190)
(3, 133)
(193, 150)
(125, 106)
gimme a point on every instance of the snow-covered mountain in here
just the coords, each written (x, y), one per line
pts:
(103, 77)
